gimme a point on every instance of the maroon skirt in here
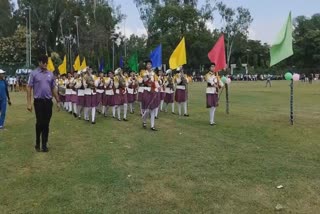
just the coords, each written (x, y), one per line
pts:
(151, 100)
(212, 100)
(90, 101)
(140, 96)
(68, 97)
(169, 98)
(108, 100)
(162, 95)
(80, 101)
(62, 98)
(74, 98)
(99, 98)
(180, 96)
(131, 98)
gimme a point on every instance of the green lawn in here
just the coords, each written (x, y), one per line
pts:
(186, 167)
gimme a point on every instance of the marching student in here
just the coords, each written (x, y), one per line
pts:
(169, 91)
(213, 85)
(151, 97)
(79, 87)
(181, 95)
(132, 91)
(109, 100)
(120, 96)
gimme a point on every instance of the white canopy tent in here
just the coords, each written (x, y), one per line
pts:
(23, 71)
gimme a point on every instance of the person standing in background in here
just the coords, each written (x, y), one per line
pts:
(4, 98)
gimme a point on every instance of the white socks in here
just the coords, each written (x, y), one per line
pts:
(152, 116)
(125, 110)
(74, 108)
(212, 111)
(185, 108)
(93, 114)
(69, 106)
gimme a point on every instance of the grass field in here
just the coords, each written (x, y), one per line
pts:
(186, 167)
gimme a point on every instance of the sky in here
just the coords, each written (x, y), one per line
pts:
(268, 15)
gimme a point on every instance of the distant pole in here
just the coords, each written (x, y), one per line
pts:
(28, 38)
(77, 17)
(291, 102)
(113, 55)
(30, 34)
(227, 99)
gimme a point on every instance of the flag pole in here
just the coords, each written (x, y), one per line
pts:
(227, 99)
(291, 102)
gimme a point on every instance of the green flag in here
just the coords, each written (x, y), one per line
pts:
(133, 62)
(282, 47)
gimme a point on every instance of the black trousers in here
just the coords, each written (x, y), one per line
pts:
(43, 110)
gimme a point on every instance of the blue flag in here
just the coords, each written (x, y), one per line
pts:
(101, 66)
(156, 57)
(121, 62)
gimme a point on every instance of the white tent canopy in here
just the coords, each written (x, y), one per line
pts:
(23, 71)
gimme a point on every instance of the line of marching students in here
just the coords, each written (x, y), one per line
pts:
(84, 93)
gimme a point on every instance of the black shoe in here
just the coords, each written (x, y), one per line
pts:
(94, 122)
(186, 115)
(105, 115)
(156, 117)
(213, 124)
(79, 118)
(87, 121)
(74, 114)
(45, 150)
(125, 119)
(119, 119)
(131, 112)
(144, 125)
(70, 112)
(37, 148)
(153, 129)
(173, 113)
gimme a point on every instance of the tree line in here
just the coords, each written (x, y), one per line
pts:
(56, 24)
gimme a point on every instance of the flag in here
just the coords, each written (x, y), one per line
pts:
(63, 67)
(179, 55)
(76, 64)
(121, 62)
(156, 57)
(133, 62)
(217, 54)
(83, 64)
(282, 47)
(101, 65)
(50, 65)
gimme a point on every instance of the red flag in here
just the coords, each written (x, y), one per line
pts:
(218, 54)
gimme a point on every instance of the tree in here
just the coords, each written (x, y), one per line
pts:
(54, 23)
(236, 23)
(306, 42)
(6, 18)
(171, 20)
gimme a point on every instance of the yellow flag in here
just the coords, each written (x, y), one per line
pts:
(179, 55)
(83, 64)
(76, 64)
(63, 67)
(50, 65)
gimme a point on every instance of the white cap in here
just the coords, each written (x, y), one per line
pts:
(2, 71)
(179, 68)
(117, 71)
(168, 71)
